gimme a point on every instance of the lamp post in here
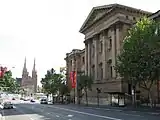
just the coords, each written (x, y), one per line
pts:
(98, 92)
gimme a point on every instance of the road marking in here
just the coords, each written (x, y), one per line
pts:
(132, 115)
(90, 114)
(31, 118)
(155, 113)
(106, 109)
(57, 115)
(70, 115)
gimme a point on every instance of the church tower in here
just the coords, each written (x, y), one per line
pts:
(24, 73)
(34, 76)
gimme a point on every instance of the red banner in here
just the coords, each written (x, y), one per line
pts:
(2, 71)
(73, 77)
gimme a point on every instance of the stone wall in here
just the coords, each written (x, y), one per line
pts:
(93, 101)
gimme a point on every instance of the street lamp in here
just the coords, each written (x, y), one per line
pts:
(98, 92)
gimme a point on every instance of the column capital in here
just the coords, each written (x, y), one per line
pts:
(95, 37)
(105, 32)
(119, 26)
(86, 41)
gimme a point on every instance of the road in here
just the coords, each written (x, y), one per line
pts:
(35, 111)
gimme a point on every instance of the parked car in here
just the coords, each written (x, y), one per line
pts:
(7, 105)
(13, 98)
(32, 100)
(44, 101)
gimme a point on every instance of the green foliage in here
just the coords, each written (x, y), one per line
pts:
(64, 89)
(52, 82)
(139, 61)
(84, 82)
(8, 83)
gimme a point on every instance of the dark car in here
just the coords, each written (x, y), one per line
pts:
(44, 101)
(21, 98)
(32, 100)
(13, 98)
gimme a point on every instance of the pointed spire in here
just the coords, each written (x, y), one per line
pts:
(24, 72)
(25, 67)
(34, 65)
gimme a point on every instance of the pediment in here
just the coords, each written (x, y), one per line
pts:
(155, 15)
(94, 15)
(98, 12)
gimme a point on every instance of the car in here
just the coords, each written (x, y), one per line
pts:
(7, 105)
(44, 101)
(32, 100)
(21, 98)
(13, 98)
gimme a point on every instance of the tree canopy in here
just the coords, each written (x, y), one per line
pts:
(8, 83)
(139, 60)
(53, 82)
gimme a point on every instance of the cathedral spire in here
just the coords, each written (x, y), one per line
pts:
(25, 67)
(24, 72)
(34, 65)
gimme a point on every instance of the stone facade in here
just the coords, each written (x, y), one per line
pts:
(29, 84)
(104, 30)
(75, 61)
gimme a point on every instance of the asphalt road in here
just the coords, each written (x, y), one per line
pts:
(35, 111)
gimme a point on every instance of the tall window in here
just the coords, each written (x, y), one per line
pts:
(83, 60)
(93, 72)
(101, 44)
(111, 74)
(110, 43)
(93, 51)
(101, 71)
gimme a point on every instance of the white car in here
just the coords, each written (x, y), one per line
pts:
(7, 105)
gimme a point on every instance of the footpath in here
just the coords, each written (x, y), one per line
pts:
(126, 108)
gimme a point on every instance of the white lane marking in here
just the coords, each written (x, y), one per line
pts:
(57, 115)
(70, 115)
(155, 113)
(90, 114)
(132, 115)
(31, 118)
(117, 110)
(106, 109)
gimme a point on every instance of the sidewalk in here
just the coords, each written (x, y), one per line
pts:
(126, 108)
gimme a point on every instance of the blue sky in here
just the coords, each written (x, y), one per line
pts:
(46, 30)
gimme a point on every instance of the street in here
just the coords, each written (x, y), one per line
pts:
(36, 111)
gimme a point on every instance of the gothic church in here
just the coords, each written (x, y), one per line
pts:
(29, 83)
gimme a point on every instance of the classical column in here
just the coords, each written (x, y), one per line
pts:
(113, 53)
(118, 40)
(73, 64)
(89, 58)
(104, 55)
(118, 44)
(86, 58)
(96, 57)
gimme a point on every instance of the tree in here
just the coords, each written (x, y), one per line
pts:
(8, 83)
(52, 81)
(84, 83)
(63, 90)
(138, 62)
